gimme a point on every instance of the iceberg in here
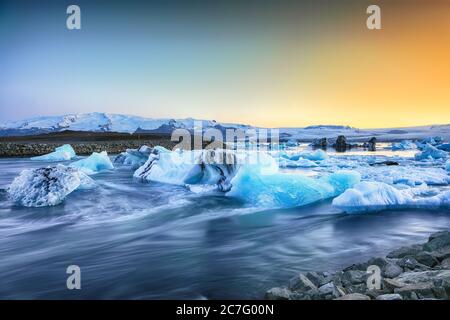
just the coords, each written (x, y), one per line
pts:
(208, 167)
(375, 196)
(300, 163)
(95, 163)
(444, 146)
(315, 156)
(403, 145)
(282, 190)
(429, 153)
(62, 153)
(47, 186)
(447, 166)
(134, 158)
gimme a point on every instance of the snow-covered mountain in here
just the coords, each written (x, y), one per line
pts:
(105, 122)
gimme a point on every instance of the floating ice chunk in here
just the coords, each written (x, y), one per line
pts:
(134, 158)
(47, 186)
(447, 166)
(444, 146)
(429, 153)
(62, 153)
(212, 167)
(431, 140)
(300, 163)
(319, 154)
(95, 163)
(281, 190)
(375, 196)
(404, 145)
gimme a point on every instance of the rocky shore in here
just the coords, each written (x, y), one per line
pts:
(18, 149)
(417, 272)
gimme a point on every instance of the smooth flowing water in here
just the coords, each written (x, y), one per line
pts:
(136, 240)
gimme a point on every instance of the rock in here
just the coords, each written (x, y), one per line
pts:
(408, 263)
(392, 270)
(437, 241)
(391, 284)
(278, 294)
(371, 145)
(442, 253)
(329, 291)
(352, 277)
(385, 163)
(373, 294)
(315, 278)
(394, 296)
(354, 296)
(405, 251)
(341, 144)
(320, 143)
(421, 290)
(301, 283)
(412, 277)
(426, 258)
(445, 264)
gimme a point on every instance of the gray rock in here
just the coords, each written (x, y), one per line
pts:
(437, 241)
(315, 278)
(301, 283)
(418, 290)
(394, 296)
(412, 277)
(445, 264)
(442, 254)
(391, 284)
(329, 291)
(278, 294)
(352, 277)
(426, 258)
(408, 263)
(354, 296)
(392, 270)
(405, 251)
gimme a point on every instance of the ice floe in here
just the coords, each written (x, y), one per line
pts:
(374, 196)
(95, 163)
(283, 190)
(403, 145)
(208, 167)
(134, 158)
(47, 186)
(429, 153)
(62, 153)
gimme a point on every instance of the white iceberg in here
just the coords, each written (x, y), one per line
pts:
(134, 158)
(374, 196)
(95, 163)
(62, 153)
(281, 190)
(47, 186)
(404, 145)
(317, 155)
(210, 167)
(300, 163)
(429, 153)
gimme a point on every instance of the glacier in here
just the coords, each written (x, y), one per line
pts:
(62, 153)
(375, 196)
(430, 152)
(95, 163)
(47, 186)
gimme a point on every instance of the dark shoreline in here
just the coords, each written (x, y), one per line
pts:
(416, 272)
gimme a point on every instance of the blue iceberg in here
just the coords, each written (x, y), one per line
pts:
(281, 190)
(47, 186)
(429, 153)
(317, 155)
(444, 146)
(374, 196)
(447, 166)
(403, 145)
(62, 153)
(95, 163)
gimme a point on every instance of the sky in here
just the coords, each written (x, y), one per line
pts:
(264, 63)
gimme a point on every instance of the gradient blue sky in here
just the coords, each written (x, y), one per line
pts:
(266, 63)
